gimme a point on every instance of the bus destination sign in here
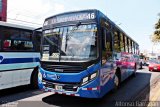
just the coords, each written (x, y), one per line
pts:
(70, 17)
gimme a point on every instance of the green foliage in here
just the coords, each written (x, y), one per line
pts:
(157, 25)
(156, 35)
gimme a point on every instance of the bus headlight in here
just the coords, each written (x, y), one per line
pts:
(89, 78)
(40, 76)
(85, 80)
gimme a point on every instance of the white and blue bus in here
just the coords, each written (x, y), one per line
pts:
(85, 54)
(19, 55)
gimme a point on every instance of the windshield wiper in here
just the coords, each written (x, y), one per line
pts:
(68, 35)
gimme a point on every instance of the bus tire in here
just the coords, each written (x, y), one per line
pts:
(34, 79)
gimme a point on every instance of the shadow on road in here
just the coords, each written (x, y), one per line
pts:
(15, 90)
(128, 91)
(17, 93)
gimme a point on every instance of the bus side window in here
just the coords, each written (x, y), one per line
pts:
(0, 43)
(107, 40)
(21, 46)
(109, 47)
(106, 46)
(117, 44)
(122, 43)
(103, 39)
(6, 45)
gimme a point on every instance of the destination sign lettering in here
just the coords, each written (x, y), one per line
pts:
(69, 17)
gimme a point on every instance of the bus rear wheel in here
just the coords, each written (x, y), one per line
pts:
(116, 82)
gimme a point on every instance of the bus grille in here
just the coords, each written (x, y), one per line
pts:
(66, 86)
(61, 68)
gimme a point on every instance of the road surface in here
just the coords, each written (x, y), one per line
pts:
(130, 88)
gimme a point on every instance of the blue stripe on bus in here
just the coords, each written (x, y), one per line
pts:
(19, 60)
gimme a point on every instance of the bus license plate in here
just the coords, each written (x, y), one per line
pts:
(58, 87)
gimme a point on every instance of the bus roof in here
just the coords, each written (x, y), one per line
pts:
(117, 27)
(93, 10)
(69, 12)
(6, 24)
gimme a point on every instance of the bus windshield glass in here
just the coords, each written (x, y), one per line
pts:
(71, 43)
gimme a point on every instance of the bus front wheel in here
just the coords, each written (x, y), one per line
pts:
(34, 79)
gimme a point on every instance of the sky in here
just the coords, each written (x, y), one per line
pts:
(136, 17)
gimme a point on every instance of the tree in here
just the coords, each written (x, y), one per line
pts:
(156, 35)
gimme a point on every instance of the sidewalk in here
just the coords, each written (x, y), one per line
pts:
(150, 96)
(154, 97)
(155, 91)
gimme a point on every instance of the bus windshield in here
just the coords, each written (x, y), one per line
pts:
(71, 43)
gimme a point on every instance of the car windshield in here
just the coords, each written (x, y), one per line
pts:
(153, 61)
(158, 61)
(71, 43)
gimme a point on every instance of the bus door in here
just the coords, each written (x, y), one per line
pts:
(107, 71)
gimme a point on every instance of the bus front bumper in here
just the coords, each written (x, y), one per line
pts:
(89, 90)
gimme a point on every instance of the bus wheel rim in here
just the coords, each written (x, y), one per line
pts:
(116, 81)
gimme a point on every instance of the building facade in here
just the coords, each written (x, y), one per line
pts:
(3, 10)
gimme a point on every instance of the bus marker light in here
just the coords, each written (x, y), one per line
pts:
(95, 88)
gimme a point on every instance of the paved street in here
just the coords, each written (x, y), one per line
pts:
(128, 91)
